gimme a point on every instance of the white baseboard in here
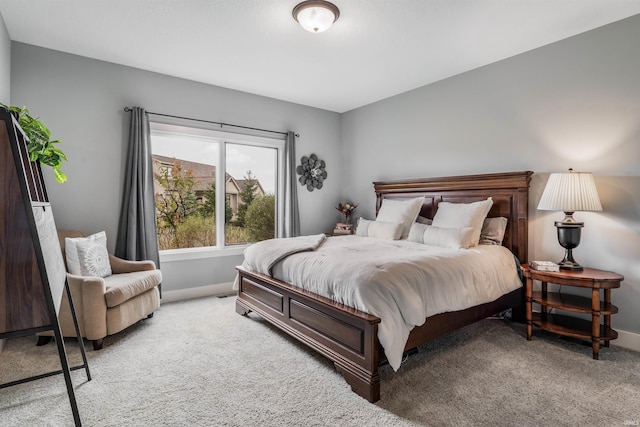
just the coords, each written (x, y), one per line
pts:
(628, 340)
(219, 289)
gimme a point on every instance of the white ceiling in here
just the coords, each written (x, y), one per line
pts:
(378, 48)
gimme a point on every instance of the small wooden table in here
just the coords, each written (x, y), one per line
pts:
(567, 325)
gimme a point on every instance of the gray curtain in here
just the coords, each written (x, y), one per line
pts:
(137, 234)
(290, 221)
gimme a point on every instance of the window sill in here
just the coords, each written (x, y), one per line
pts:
(171, 255)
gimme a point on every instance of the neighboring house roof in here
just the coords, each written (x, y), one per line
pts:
(243, 182)
(204, 174)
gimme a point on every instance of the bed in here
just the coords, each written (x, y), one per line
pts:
(349, 337)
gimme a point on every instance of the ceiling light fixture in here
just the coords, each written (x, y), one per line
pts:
(316, 16)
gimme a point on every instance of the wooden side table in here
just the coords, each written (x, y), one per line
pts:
(567, 325)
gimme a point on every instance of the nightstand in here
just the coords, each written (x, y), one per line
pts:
(562, 324)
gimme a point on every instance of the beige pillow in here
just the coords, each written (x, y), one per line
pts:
(423, 220)
(404, 211)
(493, 231)
(459, 215)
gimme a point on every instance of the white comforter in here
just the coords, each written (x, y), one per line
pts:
(400, 282)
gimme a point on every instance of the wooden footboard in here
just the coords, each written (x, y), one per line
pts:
(344, 335)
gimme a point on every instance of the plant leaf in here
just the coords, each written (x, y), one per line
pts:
(59, 175)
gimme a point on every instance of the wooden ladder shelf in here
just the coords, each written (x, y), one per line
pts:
(32, 270)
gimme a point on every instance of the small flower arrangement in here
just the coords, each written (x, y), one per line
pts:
(346, 209)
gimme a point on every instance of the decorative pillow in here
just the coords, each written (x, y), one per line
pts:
(403, 211)
(459, 215)
(379, 229)
(416, 231)
(493, 231)
(88, 256)
(455, 238)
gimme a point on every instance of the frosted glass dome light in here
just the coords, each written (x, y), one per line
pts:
(316, 16)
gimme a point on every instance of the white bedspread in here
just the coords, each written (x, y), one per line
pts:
(400, 282)
(262, 256)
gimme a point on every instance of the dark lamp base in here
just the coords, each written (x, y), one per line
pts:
(570, 265)
(569, 238)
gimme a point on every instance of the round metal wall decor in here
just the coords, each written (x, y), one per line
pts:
(312, 172)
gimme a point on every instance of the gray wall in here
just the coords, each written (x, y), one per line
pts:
(81, 100)
(5, 64)
(575, 103)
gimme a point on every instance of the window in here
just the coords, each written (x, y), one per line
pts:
(212, 188)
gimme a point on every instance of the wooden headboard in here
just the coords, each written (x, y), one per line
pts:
(510, 193)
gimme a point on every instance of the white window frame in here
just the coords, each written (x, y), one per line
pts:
(222, 138)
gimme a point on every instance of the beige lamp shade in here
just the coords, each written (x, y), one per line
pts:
(570, 192)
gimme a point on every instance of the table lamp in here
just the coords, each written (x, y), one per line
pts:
(570, 192)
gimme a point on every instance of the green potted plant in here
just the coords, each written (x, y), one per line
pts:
(41, 148)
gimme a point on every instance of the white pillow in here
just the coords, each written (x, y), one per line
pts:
(455, 238)
(493, 231)
(459, 215)
(88, 256)
(416, 231)
(362, 228)
(404, 211)
(379, 229)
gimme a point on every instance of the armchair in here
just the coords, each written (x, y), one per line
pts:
(105, 306)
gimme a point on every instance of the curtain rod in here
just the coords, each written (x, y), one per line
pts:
(127, 110)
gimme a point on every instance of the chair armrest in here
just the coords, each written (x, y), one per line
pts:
(92, 285)
(87, 288)
(91, 306)
(119, 265)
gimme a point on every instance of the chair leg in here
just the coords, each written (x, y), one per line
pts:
(43, 340)
(151, 315)
(97, 344)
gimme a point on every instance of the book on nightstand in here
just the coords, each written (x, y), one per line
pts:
(544, 266)
(343, 228)
(336, 231)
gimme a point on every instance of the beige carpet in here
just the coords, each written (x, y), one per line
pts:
(198, 363)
